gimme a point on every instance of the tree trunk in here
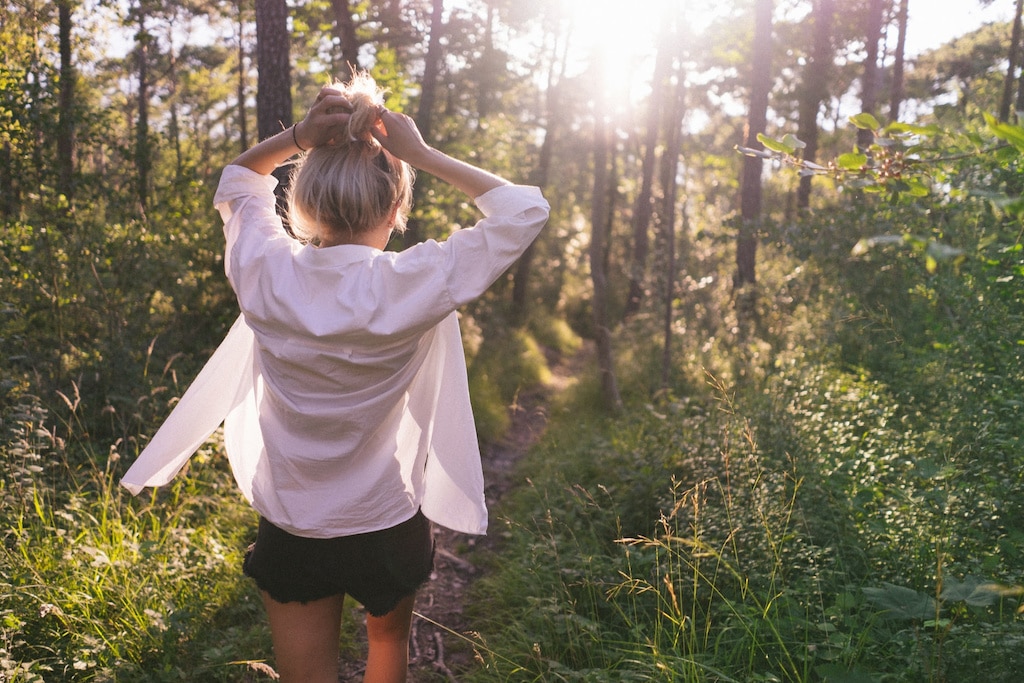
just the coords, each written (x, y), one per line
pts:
(425, 111)
(872, 72)
(541, 175)
(599, 219)
(66, 105)
(1014, 61)
(750, 184)
(643, 208)
(899, 58)
(670, 188)
(524, 268)
(143, 153)
(243, 117)
(345, 32)
(815, 90)
(274, 82)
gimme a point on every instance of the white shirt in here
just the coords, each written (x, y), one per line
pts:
(344, 393)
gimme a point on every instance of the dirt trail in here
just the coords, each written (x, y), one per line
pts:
(436, 653)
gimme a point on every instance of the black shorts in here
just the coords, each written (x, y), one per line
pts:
(378, 569)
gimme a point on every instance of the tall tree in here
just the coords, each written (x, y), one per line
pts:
(670, 190)
(143, 146)
(872, 72)
(428, 102)
(757, 119)
(274, 83)
(66, 104)
(541, 174)
(243, 117)
(600, 219)
(643, 207)
(1013, 61)
(345, 33)
(814, 89)
(899, 59)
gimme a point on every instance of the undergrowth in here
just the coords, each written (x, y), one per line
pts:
(100, 586)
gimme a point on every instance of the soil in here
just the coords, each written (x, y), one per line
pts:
(440, 647)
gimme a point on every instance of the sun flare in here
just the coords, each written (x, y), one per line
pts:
(625, 36)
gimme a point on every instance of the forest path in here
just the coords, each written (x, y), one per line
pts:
(439, 649)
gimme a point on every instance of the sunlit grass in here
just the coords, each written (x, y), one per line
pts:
(100, 586)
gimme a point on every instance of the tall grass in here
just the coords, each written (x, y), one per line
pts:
(95, 585)
(672, 545)
(840, 501)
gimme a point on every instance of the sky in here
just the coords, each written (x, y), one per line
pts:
(933, 22)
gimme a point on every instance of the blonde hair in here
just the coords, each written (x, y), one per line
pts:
(355, 184)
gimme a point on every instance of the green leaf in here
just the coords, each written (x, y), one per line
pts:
(971, 590)
(1005, 131)
(775, 145)
(902, 603)
(912, 129)
(865, 121)
(852, 161)
(917, 188)
(793, 141)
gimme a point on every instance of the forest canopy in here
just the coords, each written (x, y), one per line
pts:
(772, 227)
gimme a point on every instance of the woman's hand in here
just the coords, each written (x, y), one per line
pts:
(326, 121)
(398, 134)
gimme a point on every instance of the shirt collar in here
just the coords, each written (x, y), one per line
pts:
(339, 255)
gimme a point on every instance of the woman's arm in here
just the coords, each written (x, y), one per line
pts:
(325, 121)
(398, 134)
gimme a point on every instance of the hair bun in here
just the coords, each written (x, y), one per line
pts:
(366, 98)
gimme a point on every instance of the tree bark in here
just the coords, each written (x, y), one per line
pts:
(345, 32)
(815, 90)
(599, 219)
(274, 82)
(243, 117)
(643, 208)
(899, 59)
(425, 111)
(670, 188)
(143, 151)
(66, 104)
(1014, 62)
(750, 183)
(872, 72)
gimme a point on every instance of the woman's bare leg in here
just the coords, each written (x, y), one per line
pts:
(388, 660)
(306, 638)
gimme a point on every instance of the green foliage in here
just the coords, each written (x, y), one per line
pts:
(100, 587)
(847, 505)
(506, 363)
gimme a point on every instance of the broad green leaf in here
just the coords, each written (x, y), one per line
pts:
(902, 603)
(913, 129)
(1005, 131)
(775, 145)
(852, 161)
(917, 188)
(865, 121)
(972, 590)
(793, 141)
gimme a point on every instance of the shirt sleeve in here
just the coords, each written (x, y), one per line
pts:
(246, 199)
(472, 259)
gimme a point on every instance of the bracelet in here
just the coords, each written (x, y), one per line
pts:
(295, 139)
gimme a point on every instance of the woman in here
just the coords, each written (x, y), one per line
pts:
(350, 427)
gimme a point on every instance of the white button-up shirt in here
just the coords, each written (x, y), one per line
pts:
(344, 392)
